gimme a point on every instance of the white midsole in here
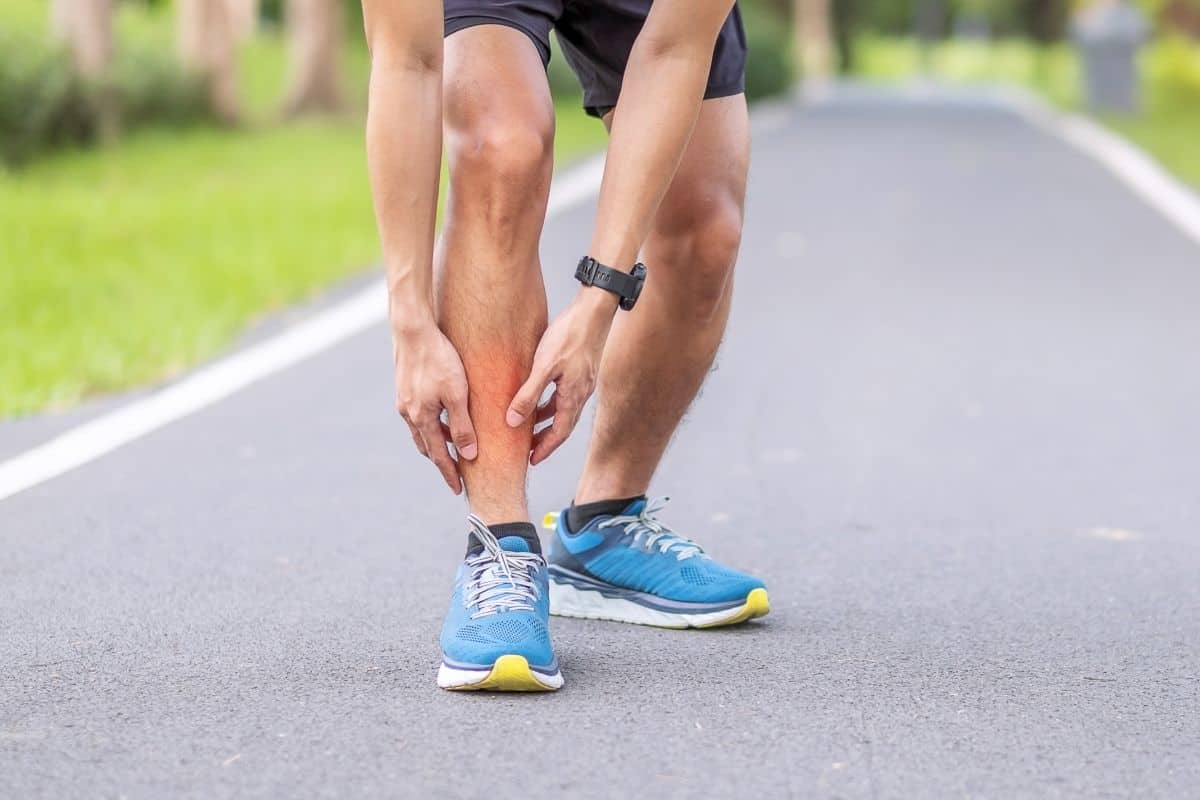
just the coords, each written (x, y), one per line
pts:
(569, 601)
(452, 678)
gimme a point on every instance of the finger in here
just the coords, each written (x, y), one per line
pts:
(538, 438)
(546, 410)
(547, 441)
(435, 442)
(525, 401)
(462, 432)
(418, 441)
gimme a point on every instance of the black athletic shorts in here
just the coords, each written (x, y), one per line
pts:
(596, 38)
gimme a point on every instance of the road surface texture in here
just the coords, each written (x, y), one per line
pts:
(954, 426)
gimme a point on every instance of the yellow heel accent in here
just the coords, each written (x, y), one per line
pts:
(510, 673)
(550, 521)
(757, 605)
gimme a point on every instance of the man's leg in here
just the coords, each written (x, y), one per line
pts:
(499, 121)
(638, 570)
(658, 354)
(499, 124)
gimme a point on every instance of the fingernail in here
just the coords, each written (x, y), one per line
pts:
(514, 419)
(469, 452)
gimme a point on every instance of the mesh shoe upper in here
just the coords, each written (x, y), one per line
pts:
(500, 606)
(634, 550)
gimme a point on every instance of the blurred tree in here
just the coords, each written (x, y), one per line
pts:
(1045, 20)
(245, 17)
(769, 66)
(207, 47)
(1182, 15)
(272, 11)
(354, 16)
(61, 17)
(814, 38)
(86, 27)
(845, 15)
(315, 31)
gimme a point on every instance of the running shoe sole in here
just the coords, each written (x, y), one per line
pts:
(574, 595)
(510, 673)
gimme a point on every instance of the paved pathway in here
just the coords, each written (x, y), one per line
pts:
(954, 426)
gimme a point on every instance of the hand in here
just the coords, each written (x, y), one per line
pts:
(430, 377)
(569, 357)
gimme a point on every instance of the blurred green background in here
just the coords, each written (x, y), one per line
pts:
(170, 171)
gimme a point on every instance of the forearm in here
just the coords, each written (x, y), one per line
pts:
(660, 100)
(404, 144)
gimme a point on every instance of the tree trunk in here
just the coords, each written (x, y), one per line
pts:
(315, 34)
(814, 39)
(207, 47)
(1183, 16)
(85, 26)
(61, 15)
(245, 17)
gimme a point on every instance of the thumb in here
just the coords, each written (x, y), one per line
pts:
(525, 400)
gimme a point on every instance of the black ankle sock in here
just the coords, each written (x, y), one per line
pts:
(579, 516)
(523, 529)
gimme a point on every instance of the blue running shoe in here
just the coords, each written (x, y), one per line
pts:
(633, 568)
(495, 635)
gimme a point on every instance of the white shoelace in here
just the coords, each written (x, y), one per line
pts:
(500, 580)
(648, 532)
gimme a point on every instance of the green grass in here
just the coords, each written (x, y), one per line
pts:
(1169, 127)
(127, 264)
(1052, 71)
(1171, 135)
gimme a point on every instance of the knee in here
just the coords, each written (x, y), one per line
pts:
(700, 256)
(500, 160)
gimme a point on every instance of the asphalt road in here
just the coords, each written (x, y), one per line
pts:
(954, 426)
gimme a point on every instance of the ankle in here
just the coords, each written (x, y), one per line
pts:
(580, 514)
(603, 490)
(500, 513)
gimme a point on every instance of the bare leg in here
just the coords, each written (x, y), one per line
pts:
(658, 354)
(499, 122)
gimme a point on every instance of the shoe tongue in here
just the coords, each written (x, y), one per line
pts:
(521, 537)
(634, 508)
(515, 544)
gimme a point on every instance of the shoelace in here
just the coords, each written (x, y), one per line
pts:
(648, 532)
(500, 580)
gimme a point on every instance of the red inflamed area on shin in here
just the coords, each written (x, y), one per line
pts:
(494, 377)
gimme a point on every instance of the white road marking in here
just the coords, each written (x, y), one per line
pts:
(1135, 168)
(219, 380)
(571, 188)
(1111, 534)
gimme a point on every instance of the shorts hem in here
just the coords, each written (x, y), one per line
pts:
(456, 24)
(599, 109)
(728, 90)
